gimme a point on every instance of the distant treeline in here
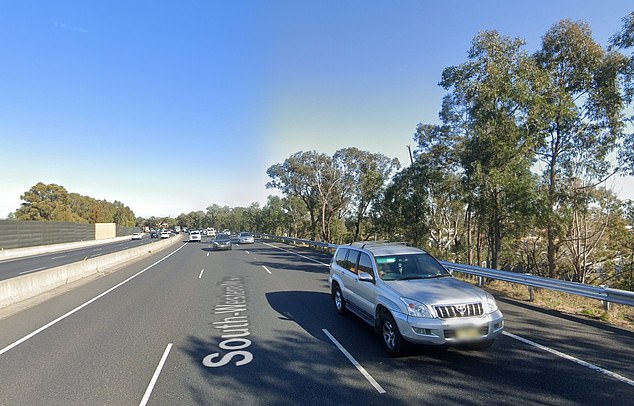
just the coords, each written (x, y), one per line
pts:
(54, 203)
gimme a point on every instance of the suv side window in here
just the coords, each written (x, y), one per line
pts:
(353, 259)
(365, 264)
(340, 258)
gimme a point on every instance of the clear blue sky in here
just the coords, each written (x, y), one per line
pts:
(170, 107)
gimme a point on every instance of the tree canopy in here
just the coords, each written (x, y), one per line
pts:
(51, 202)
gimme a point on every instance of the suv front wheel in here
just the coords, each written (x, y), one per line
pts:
(393, 342)
(337, 297)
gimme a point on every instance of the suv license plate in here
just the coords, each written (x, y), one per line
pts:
(465, 333)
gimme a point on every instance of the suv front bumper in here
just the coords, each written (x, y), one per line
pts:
(459, 330)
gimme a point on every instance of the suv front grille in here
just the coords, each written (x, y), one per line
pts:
(464, 310)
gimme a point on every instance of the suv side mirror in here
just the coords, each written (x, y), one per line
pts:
(365, 277)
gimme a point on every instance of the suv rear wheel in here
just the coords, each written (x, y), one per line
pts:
(337, 297)
(393, 342)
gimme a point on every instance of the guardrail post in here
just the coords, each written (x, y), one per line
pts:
(480, 281)
(606, 304)
(531, 294)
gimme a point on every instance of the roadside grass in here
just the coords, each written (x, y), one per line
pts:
(618, 315)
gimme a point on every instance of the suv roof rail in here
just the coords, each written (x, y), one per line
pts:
(364, 244)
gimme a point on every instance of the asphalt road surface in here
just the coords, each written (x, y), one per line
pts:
(256, 326)
(10, 268)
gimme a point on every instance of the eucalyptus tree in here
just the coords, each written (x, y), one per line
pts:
(334, 191)
(404, 206)
(595, 235)
(448, 214)
(579, 117)
(295, 177)
(365, 175)
(271, 219)
(320, 181)
(123, 215)
(297, 222)
(51, 202)
(45, 202)
(625, 40)
(487, 111)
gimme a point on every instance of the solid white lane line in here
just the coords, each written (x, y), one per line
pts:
(78, 308)
(266, 269)
(201, 273)
(61, 256)
(294, 253)
(355, 363)
(150, 387)
(32, 270)
(571, 358)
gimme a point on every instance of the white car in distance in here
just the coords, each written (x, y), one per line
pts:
(246, 238)
(194, 235)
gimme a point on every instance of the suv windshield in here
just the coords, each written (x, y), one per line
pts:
(409, 266)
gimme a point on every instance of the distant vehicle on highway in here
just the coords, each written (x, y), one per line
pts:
(194, 235)
(165, 234)
(137, 236)
(246, 238)
(154, 234)
(222, 242)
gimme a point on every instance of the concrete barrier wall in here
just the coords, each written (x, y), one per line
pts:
(27, 286)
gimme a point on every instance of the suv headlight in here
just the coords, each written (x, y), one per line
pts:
(416, 309)
(490, 304)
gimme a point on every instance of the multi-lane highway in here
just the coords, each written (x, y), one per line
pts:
(256, 325)
(11, 268)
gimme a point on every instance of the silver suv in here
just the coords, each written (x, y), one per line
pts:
(409, 297)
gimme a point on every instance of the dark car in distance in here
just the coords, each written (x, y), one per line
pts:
(222, 242)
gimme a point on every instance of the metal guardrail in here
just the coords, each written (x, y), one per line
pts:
(602, 293)
(295, 241)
